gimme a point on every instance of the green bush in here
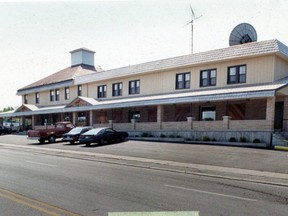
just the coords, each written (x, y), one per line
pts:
(256, 141)
(214, 140)
(171, 136)
(144, 134)
(243, 139)
(162, 135)
(178, 136)
(206, 138)
(232, 139)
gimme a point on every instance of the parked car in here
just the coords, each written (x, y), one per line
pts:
(74, 135)
(51, 134)
(4, 130)
(102, 136)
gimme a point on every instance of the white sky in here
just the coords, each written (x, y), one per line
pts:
(36, 36)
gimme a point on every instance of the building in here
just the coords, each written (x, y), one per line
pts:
(240, 89)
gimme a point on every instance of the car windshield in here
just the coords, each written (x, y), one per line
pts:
(76, 130)
(95, 131)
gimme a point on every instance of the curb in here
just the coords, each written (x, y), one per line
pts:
(282, 148)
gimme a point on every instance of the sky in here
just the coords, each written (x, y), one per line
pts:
(36, 37)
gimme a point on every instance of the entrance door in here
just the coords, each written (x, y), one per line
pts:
(279, 110)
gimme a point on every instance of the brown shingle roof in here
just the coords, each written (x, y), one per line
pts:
(66, 74)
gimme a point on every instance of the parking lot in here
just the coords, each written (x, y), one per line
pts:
(224, 156)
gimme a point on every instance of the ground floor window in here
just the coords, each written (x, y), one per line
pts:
(135, 115)
(208, 113)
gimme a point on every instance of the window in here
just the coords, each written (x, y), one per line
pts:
(135, 115)
(57, 97)
(25, 99)
(208, 113)
(134, 87)
(117, 89)
(37, 98)
(183, 81)
(79, 90)
(208, 78)
(102, 91)
(237, 74)
(51, 95)
(67, 93)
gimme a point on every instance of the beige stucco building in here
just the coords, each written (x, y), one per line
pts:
(241, 88)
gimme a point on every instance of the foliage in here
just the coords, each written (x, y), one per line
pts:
(162, 135)
(206, 138)
(232, 139)
(6, 109)
(243, 139)
(256, 141)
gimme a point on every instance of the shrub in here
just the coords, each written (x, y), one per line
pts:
(162, 135)
(144, 134)
(171, 136)
(214, 140)
(206, 138)
(243, 139)
(232, 139)
(178, 136)
(150, 135)
(256, 141)
(188, 139)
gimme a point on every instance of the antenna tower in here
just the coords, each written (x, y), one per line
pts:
(193, 18)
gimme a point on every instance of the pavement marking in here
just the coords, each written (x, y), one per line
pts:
(211, 193)
(159, 213)
(44, 164)
(35, 204)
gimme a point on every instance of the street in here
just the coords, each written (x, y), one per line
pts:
(45, 182)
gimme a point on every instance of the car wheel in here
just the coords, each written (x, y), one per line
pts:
(72, 142)
(41, 141)
(101, 142)
(52, 139)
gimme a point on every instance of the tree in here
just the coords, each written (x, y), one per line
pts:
(6, 109)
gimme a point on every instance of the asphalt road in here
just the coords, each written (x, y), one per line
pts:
(34, 183)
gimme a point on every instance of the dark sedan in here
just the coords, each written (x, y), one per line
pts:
(4, 130)
(102, 136)
(73, 135)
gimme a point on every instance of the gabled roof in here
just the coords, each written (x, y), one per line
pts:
(82, 101)
(218, 55)
(66, 74)
(26, 108)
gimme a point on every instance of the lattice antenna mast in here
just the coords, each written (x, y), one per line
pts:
(193, 18)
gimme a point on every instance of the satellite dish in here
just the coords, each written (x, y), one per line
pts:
(242, 33)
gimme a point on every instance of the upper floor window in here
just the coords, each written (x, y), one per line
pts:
(37, 98)
(237, 74)
(102, 91)
(134, 87)
(25, 99)
(57, 95)
(51, 95)
(117, 89)
(67, 93)
(208, 78)
(183, 81)
(79, 90)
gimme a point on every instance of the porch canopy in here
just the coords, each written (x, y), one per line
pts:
(228, 93)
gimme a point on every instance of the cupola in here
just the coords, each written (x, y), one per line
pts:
(82, 56)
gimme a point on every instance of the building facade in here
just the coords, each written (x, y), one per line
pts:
(239, 88)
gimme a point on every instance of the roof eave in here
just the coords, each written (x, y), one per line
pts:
(45, 87)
